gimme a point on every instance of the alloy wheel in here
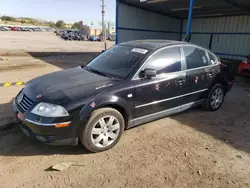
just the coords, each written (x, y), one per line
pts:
(105, 131)
(217, 98)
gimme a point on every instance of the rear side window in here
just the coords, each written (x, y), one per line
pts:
(165, 61)
(195, 57)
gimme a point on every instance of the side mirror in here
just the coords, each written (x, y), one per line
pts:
(149, 73)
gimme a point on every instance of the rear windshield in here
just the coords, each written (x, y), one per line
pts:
(118, 61)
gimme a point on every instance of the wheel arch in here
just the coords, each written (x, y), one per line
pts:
(220, 80)
(120, 109)
(120, 105)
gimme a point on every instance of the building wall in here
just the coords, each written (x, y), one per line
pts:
(95, 32)
(134, 23)
(229, 36)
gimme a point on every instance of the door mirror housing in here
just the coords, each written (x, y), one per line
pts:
(149, 73)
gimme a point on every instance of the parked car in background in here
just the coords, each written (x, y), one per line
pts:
(72, 35)
(24, 28)
(15, 29)
(94, 38)
(4, 29)
(244, 68)
(128, 85)
(111, 37)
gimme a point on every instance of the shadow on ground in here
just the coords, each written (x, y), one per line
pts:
(231, 123)
(65, 60)
(6, 108)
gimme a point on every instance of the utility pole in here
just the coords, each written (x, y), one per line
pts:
(103, 24)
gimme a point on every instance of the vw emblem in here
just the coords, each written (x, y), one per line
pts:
(19, 98)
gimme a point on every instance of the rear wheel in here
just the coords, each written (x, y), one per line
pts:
(215, 98)
(103, 130)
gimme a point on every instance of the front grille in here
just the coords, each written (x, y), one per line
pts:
(24, 104)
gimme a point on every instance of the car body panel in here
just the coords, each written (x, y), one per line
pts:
(152, 95)
(74, 83)
(244, 69)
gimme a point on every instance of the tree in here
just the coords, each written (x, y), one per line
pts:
(8, 18)
(51, 24)
(76, 25)
(60, 24)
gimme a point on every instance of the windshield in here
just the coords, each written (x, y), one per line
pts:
(118, 61)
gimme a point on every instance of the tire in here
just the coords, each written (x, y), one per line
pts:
(98, 137)
(215, 98)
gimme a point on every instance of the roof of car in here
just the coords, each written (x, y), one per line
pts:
(152, 44)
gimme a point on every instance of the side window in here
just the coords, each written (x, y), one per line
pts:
(165, 61)
(212, 58)
(195, 57)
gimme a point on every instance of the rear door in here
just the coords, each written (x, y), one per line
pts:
(198, 70)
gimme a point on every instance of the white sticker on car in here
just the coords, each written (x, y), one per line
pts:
(139, 50)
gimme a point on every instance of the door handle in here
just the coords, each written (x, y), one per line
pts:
(181, 82)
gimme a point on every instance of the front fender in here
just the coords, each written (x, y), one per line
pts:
(105, 101)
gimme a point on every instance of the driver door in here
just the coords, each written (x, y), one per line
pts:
(162, 92)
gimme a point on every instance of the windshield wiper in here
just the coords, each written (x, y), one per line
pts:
(97, 72)
(101, 73)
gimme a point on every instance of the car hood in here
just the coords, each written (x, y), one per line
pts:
(71, 84)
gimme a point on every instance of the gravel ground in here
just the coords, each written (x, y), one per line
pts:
(191, 149)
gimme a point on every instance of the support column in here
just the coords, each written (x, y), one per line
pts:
(190, 14)
(116, 21)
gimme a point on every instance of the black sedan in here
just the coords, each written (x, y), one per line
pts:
(128, 85)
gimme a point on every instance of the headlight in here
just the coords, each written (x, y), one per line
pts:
(49, 110)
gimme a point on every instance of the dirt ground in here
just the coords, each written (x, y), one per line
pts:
(17, 42)
(191, 149)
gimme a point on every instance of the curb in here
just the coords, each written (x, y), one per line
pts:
(7, 124)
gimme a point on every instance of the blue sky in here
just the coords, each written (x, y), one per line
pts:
(67, 10)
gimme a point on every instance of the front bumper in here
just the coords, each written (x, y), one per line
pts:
(44, 132)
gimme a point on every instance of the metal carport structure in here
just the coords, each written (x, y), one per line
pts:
(220, 25)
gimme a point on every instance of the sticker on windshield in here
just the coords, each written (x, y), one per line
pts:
(139, 50)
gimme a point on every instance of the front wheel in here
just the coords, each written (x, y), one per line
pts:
(103, 130)
(215, 98)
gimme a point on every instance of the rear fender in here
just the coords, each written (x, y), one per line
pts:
(223, 80)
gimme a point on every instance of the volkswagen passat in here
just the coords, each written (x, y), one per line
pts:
(128, 85)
